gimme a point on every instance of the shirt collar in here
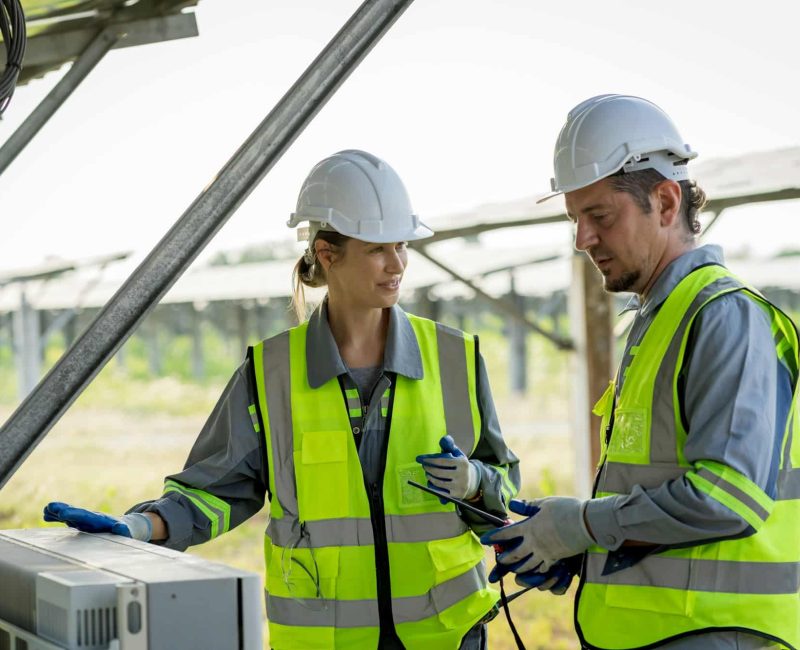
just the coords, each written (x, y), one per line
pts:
(323, 361)
(675, 271)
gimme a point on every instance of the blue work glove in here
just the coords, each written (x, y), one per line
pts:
(134, 525)
(556, 579)
(557, 531)
(451, 471)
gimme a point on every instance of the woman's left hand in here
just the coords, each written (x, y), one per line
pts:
(451, 471)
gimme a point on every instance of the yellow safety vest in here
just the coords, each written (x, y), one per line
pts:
(320, 546)
(748, 584)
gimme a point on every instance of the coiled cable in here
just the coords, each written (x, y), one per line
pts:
(12, 29)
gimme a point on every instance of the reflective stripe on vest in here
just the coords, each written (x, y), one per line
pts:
(748, 584)
(319, 546)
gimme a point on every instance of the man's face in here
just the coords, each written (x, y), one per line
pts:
(624, 242)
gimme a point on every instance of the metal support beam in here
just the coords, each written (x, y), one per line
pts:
(718, 205)
(480, 228)
(50, 50)
(501, 303)
(83, 65)
(518, 346)
(591, 317)
(28, 425)
(27, 346)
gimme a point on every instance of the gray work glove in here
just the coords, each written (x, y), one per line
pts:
(134, 525)
(451, 471)
(554, 529)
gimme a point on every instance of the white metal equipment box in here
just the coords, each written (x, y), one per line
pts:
(65, 590)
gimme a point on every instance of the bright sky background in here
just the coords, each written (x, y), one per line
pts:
(464, 98)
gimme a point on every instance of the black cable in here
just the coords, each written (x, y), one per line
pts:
(12, 29)
(504, 601)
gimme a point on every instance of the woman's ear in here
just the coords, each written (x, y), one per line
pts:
(324, 254)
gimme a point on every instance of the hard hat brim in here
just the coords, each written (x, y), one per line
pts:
(420, 232)
(547, 197)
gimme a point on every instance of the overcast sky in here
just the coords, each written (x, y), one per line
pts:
(463, 97)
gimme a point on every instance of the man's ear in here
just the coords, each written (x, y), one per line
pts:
(667, 202)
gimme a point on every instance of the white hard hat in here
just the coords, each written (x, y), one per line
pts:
(611, 132)
(360, 196)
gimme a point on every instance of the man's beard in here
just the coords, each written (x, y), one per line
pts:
(625, 282)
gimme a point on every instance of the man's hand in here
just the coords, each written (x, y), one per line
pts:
(135, 525)
(451, 471)
(556, 579)
(536, 543)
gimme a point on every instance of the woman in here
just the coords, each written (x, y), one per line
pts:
(331, 419)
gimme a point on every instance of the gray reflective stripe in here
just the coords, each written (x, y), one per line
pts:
(455, 389)
(447, 594)
(358, 531)
(788, 484)
(735, 492)
(385, 404)
(364, 613)
(790, 424)
(325, 532)
(322, 612)
(663, 447)
(621, 477)
(218, 515)
(720, 576)
(277, 379)
(254, 417)
(424, 527)
(354, 408)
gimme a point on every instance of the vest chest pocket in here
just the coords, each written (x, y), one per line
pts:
(322, 475)
(630, 437)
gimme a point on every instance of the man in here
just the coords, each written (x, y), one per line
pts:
(690, 540)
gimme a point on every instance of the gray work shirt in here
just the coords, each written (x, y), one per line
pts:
(228, 459)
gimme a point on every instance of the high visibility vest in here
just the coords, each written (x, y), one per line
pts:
(749, 584)
(319, 546)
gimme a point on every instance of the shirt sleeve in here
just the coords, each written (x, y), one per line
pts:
(736, 397)
(498, 466)
(224, 480)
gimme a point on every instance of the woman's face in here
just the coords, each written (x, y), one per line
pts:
(364, 275)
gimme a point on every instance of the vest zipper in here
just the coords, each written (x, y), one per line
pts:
(388, 634)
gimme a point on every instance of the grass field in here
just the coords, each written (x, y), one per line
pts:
(115, 445)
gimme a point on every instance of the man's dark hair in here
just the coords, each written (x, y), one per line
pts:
(640, 184)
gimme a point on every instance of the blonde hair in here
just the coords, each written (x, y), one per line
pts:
(308, 272)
